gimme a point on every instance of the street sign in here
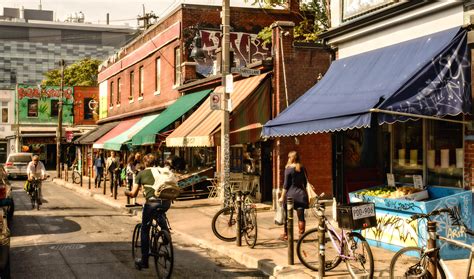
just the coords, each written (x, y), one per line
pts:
(215, 101)
(245, 72)
(229, 83)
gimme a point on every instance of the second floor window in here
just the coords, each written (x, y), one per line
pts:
(132, 85)
(119, 89)
(54, 108)
(4, 112)
(177, 66)
(111, 93)
(141, 78)
(33, 108)
(158, 74)
(88, 112)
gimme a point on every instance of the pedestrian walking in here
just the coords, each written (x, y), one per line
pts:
(99, 164)
(294, 186)
(111, 168)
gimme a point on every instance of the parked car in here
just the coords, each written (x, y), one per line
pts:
(16, 164)
(7, 208)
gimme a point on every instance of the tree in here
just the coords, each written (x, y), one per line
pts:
(81, 73)
(314, 19)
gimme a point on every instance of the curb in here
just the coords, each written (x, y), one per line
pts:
(236, 253)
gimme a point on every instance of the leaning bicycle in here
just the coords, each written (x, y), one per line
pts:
(224, 222)
(76, 174)
(413, 262)
(161, 247)
(348, 246)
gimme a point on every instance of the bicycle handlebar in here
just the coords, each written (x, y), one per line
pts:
(453, 214)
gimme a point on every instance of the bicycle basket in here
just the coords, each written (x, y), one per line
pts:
(356, 216)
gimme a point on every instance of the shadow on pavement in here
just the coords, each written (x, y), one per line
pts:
(23, 225)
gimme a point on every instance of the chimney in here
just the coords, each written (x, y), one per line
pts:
(294, 6)
(107, 18)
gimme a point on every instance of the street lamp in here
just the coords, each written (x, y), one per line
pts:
(59, 133)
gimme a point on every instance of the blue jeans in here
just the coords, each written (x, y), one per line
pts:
(99, 172)
(150, 209)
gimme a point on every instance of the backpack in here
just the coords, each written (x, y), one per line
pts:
(166, 186)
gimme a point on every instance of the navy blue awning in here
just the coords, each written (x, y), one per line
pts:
(426, 76)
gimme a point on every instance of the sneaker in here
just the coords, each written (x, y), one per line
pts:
(139, 264)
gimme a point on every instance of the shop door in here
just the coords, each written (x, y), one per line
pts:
(3, 152)
(266, 178)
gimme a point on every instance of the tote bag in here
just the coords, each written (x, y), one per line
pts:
(310, 190)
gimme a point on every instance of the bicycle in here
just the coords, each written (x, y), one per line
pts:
(412, 262)
(76, 175)
(348, 246)
(35, 193)
(161, 247)
(224, 221)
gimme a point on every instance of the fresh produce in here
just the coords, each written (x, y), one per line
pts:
(389, 192)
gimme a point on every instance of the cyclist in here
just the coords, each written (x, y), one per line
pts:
(35, 169)
(153, 206)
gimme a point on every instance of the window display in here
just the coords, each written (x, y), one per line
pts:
(407, 157)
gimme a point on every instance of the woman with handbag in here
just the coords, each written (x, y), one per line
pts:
(294, 187)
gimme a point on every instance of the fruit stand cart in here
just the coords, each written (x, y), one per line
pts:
(394, 206)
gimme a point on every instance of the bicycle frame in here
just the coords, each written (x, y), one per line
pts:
(341, 237)
(461, 245)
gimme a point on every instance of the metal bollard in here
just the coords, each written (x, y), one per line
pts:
(238, 228)
(289, 230)
(90, 176)
(322, 245)
(431, 245)
(80, 177)
(65, 176)
(105, 182)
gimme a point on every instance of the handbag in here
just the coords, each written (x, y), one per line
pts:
(310, 190)
(279, 215)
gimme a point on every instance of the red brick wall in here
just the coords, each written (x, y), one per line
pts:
(80, 93)
(302, 65)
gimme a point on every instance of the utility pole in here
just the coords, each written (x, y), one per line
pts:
(225, 150)
(146, 18)
(59, 133)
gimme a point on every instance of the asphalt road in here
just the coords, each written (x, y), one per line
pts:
(74, 236)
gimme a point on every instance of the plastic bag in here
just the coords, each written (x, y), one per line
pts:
(279, 215)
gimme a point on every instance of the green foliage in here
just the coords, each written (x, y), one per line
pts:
(81, 73)
(314, 19)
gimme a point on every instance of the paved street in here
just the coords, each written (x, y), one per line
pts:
(74, 236)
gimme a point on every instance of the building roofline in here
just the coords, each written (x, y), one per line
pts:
(69, 25)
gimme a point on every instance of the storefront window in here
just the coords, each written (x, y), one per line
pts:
(236, 153)
(54, 108)
(445, 154)
(407, 150)
(88, 112)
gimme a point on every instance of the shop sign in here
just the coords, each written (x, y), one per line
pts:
(215, 101)
(390, 179)
(69, 136)
(245, 72)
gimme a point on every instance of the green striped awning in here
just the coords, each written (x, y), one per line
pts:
(147, 135)
(116, 143)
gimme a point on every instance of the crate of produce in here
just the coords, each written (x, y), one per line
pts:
(356, 216)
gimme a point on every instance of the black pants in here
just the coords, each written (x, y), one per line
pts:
(150, 209)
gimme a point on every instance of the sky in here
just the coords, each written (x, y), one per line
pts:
(121, 11)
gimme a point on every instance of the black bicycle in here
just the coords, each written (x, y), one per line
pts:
(161, 247)
(224, 221)
(34, 192)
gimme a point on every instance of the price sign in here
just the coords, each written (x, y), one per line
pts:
(418, 181)
(363, 211)
(390, 179)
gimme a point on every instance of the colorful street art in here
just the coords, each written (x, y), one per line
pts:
(38, 105)
(246, 46)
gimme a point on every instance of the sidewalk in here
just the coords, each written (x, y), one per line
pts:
(191, 222)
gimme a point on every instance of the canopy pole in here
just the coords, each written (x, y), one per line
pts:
(417, 116)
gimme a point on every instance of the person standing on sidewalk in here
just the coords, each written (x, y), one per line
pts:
(111, 167)
(294, 187)
(98, 168)
(130, 171)
(153, 207)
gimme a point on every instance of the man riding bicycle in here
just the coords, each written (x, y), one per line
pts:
(36, 170)
(153, 206)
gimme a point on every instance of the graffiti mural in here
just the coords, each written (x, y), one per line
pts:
(246, 46)
(392, 229)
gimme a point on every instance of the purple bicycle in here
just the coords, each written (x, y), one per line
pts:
(348, 246)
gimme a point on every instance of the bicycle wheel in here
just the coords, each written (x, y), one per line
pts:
(307, 250)
(76, 177)
(224, 224)
(250, 227)
(410, 262)
(136, 241)
(360, 261)
(33, 199)
(164, 257)
(37, 199)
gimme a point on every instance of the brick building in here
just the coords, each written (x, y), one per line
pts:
(161, 70)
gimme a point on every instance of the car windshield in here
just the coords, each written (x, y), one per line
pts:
(19, 159)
